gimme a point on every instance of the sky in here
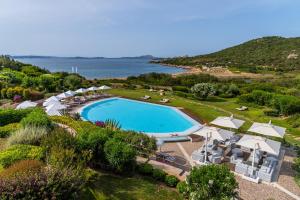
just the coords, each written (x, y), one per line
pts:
(164, 28)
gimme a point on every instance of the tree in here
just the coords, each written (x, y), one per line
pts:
(72, 81)
(47, 81)
(211, 182)
(203, 90)
(120, 155)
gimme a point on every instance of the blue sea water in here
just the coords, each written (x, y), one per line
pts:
(101, 67)
(138, 116)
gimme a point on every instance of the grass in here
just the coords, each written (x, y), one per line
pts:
(214, 107)
(108, 186)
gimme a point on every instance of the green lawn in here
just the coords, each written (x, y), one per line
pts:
(107, 186)
(214, 107)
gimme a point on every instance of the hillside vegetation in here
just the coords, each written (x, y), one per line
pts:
(267, 53)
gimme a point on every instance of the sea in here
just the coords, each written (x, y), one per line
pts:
(100, 68)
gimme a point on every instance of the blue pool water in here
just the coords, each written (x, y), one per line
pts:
(139, 116)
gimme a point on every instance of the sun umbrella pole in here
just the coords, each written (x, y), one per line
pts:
(206, 148)
(254, 151)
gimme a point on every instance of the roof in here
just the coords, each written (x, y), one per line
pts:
(228, 122)
(260, 143)
(267, 129)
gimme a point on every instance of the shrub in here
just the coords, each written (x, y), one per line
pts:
(145, 169)
(271, 112)
(120, 155)
(22, 168)
(171, 180)
(49, 183)
(8, 116)
(28, 135)
(182, 187)
(211, 182)
(20, 152)
(8, 129)
(159, 174)
(59, 137)
(37, 118)
(203, 90)
(180, 89)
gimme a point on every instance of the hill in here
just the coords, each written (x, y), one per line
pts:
(267, 53)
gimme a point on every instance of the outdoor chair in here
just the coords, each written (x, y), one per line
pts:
(216, 159)
(235, 159)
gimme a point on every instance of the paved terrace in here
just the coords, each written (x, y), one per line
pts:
(284, 189)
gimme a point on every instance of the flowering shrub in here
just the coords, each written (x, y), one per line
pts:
(17, 98)
(48, 183)
(100, 123)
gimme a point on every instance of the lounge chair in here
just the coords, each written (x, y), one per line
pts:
(242, 108)
(146, 97)
(164, 101)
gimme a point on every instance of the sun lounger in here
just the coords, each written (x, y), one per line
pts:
(242, 108)
(146, 97)
(164, 101)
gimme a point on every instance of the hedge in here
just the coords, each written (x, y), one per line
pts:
(8, 116)
(20, 152)
(8, 129)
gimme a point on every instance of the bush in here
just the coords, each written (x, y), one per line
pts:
(171, 180)
(8, 116)
(20, 152)
(120, 155)
(180, 89)
(49, 183)
(59, 137)
(159, 174)
(203, 90)
(8, 129)
(22, 168)
(145, 169)
(37, 118)
(211, 182)
(271, 112)
(182, 187)
(28, 135)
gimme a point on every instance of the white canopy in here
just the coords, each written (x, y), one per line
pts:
(228, 122)
(63, 95)
(26, 104)
(54, 98)
(104, 87)
(71, 93)
(93, 88)
(52, 101)
(53, 112)
(56, 106)
(267, 129)
(260, 143)
(214, 133)
(81, 90)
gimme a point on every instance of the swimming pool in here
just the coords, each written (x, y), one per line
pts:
(153, 119)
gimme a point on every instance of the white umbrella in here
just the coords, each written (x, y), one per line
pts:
(52, 101)
(56, 106)
(26, 104)
(228, 122)
(104, 87)
(93, 88)
(54, 98)
(267, 129)
(53, 112)
(261, 144)
(214, 133)
(71, 93)
(63, 95)
(81, 90)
